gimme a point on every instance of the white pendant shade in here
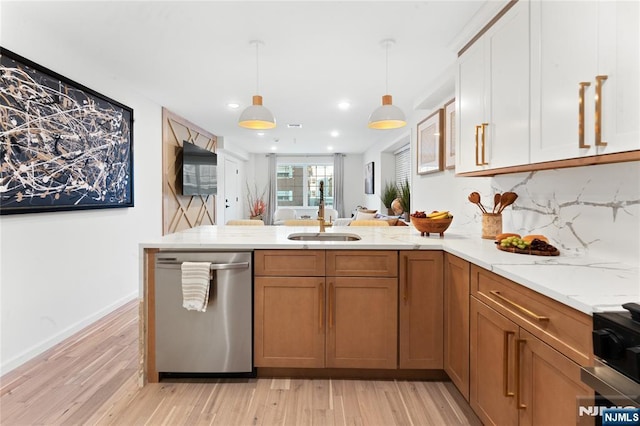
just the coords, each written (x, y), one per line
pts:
(387, 116)
(256, 116)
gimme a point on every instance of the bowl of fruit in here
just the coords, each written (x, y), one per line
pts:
(435, 222)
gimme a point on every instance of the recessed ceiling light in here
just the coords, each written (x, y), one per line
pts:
(329, 148)
(294, 126)
(335, 133)
(233, 105)
(273, 148)
(344, 105)
(260, 133)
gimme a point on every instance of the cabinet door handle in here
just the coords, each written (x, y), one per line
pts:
(331, 305)
(581, 143)
(407, 276)
(519, 344)
(519, 307)
(598, 118)
(477, 143)
(505, 363)
(321, 306)
(484, 130)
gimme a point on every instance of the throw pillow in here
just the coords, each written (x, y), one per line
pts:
(360, 215)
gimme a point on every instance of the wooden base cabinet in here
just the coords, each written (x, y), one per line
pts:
(492, 381)
(421, 309)
(516, 378)
(289, 308)
(344, 317)
(456, 321)
(289, 322)
(362, 322)
(551, 383)
(362, 309)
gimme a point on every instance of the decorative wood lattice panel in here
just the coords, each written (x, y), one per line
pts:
(181, 212)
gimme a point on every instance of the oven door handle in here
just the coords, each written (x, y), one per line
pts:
(172, 264)
(611, 384)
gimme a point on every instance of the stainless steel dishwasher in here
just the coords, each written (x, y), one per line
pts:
(216, 341)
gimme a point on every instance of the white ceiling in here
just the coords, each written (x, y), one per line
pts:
(195, 57)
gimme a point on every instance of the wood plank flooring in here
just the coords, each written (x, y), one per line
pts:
(91, 379)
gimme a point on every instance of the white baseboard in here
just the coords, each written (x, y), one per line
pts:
(43, 346)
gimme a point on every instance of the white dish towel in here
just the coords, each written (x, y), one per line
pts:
(195, 285)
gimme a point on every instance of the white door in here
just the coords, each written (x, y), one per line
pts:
(231, 197)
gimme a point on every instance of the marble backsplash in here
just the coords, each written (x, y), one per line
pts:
(593, 210)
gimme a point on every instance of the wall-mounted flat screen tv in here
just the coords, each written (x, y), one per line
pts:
(199, 170)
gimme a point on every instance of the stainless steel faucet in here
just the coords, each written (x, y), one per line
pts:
(321, 209)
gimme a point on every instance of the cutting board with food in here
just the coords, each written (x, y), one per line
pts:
(537, 245)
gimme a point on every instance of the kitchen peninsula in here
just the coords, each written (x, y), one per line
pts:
(576, 281)
(550, 299)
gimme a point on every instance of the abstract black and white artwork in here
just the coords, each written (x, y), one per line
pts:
(62, 145)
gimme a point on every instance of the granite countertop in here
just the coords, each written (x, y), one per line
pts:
(586, 284)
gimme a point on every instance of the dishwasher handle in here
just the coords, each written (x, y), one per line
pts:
(174, 264)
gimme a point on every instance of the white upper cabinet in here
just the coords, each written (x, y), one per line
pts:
(470, 107)
(619, 59)
(493, 96)
(585, 94)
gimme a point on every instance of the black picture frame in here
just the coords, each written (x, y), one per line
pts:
(369, 178)
(63, 146)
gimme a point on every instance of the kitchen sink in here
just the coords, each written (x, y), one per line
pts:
(318, 236)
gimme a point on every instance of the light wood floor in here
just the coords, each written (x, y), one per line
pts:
(90, 379)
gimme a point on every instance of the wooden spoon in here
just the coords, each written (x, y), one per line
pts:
(496, 201)
(507, 199)
(474, 197)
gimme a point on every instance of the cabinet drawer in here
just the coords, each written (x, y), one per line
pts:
(560, 326)
(301, 263)
(362, 263)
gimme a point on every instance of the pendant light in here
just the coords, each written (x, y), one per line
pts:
(387, 116)
(256, 116)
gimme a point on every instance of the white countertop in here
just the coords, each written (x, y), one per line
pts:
(586, 284)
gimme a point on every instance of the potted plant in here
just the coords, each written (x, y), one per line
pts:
(389, 193)
(405, 198)
(257, 206)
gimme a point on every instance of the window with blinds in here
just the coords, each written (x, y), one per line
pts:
(403, 165)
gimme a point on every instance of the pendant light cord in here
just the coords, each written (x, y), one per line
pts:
(386, 82)
(257, 69)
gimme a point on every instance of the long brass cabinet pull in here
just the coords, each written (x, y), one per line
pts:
(519, 307)
(519, 344)
(484, 130)
(407, 278)
(505, 363)
(321, 305)
(583, 85)
(477, 143)
(331, 305)
(598, 117)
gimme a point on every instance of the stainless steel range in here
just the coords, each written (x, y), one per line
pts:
(615, 376)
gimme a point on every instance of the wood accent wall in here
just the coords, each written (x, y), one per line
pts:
(181, 212)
